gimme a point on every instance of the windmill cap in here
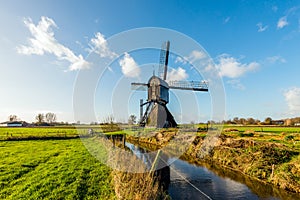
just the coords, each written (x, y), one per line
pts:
(158, 81)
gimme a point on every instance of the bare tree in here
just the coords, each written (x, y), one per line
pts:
(110, 124)
(109, 119)
(12, 118)
(132, 119)
(50, 117)
(40, 118)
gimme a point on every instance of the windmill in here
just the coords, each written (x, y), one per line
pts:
(156, 113)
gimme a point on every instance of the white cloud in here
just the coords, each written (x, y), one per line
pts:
(275, 59)
(43, 41)
(99, 45)
(292, 97)
(192, 57)
(129, 66)
(178, 74)
(209, 68)
(236, 84)
(261, 28)
(195, 55)
(180, 60)
(282, 22)
(79, 63)
(230, 67)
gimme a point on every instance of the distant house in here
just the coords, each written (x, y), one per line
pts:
(277, 122)
(14, 124)
(297, 124)
(288, 122)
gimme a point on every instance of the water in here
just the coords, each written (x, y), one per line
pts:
(194, 182)
(190, 181)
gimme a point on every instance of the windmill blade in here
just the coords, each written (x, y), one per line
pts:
(139, 86)
(164, 60)
(189, 85)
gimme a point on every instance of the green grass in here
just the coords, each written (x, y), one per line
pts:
(52, 169)
(271, 129)
(27, 132)
(47, 132)
(288, 136)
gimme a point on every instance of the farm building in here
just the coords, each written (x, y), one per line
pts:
(14, 124)
(278, 122)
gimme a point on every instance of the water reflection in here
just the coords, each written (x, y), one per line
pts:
(162, 170)
(189, 181)
(261, 190)
(200, 178)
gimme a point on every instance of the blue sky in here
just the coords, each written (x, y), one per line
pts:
(45, 44)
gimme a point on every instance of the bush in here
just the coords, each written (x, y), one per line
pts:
(246, 134)
(289, 137)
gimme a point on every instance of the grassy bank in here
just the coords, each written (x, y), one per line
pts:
(52, 169)
(269, 162)
(271, 156)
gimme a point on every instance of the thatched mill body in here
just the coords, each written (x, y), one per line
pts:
(156, 113)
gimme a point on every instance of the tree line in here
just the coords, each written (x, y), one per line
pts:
(51, 118)
(267, 121)
(40, 118)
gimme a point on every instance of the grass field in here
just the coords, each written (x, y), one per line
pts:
(39, 132)
(272, 129)
(23, 133)
(288, 136)
(64, 169)
(52, 169)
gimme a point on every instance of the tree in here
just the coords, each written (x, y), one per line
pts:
(236, 120)
(257, 121)
(50, 117)
(229, 122)
(132, 119)
(250, 121)
(110, 124)
(109, 119)
(40, 118)
(268, 121)
(12, 118)
(242, 121)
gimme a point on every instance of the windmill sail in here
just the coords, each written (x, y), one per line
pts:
(189, 85)
(163, 60)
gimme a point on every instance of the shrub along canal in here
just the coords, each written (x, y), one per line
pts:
(203, 181)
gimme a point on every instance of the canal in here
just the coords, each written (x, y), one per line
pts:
(203, 181)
